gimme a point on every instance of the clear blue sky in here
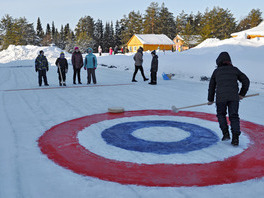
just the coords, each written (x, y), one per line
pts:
(70, 11)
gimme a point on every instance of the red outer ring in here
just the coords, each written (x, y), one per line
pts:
(61, 145)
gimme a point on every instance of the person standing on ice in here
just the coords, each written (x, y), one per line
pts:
(138, 58)
(90, 64)
(224, 82)
(100, 50)
(110, 51)
(62, 65)
(77, 63)
(42, 66)
(154, 68)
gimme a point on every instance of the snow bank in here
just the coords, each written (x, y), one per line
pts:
(25, 55)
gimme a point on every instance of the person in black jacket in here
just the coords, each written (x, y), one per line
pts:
(42, 66)
(154, 68)
(62, 65)
(224, 83)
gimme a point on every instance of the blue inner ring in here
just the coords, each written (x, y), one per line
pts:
(120, 135)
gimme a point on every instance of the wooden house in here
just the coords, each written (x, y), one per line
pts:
(149, 42)
(254, 32)
(185, 42)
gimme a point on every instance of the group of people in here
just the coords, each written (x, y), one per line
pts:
(138, 58)
(223, 83)
(89, 64)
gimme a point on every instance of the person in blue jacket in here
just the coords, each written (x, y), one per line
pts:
(90, 64)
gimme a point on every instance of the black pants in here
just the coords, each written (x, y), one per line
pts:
(63, 73)
(141, 70)
(42, 74)
(153, 77)
(78, 73)
(91, 73)
(221, 109)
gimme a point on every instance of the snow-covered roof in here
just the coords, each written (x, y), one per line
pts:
(258, 30)
(154, 39)
(190, 39)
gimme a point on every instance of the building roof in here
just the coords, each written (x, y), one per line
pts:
(154, 39)
(190, 39)
(258, 30)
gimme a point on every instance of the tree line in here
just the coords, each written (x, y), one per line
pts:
(214, 23)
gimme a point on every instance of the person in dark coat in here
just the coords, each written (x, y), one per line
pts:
(42, 66)
(77, 63)
(116, 50)
(138, 58)
(224, 83)
(154, 68)
(62, 65)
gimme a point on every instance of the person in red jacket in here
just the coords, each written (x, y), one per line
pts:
(77, 63)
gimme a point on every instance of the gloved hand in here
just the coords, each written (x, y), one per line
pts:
(241, 97)
(210, 103)
(95, 68)
(84, 68)
(47, 69)
(36, 70)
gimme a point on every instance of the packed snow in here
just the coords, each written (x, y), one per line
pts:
(27, 111)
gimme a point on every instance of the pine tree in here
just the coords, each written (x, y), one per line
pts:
(40, 32)
(150, 24)
(106, 38)
(85, 33)
(166, 22)
(217, 23)
(16, 32)
(181, 22)
(69, 38)
(6, 30)
(117, 34)
(47, 37)
(53, 31)
(99, 33)
(253, 19)
(133, 24)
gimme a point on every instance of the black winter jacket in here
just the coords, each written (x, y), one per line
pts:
(224, 81)
(63, 64)
(77, 60)
(154, 64)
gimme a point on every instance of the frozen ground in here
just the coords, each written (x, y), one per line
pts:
(25, 115)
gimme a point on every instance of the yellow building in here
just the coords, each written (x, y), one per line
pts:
(149, 42)
(185, 42)
(254, 32)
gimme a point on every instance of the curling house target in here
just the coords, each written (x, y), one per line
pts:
(60, 144)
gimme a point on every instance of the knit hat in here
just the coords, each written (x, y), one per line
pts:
(153, 52)
(76, 48)
(62, 54)
(41, 51)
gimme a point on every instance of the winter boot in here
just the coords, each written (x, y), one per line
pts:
(134, 80)
(235, 140)
(226, 135)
